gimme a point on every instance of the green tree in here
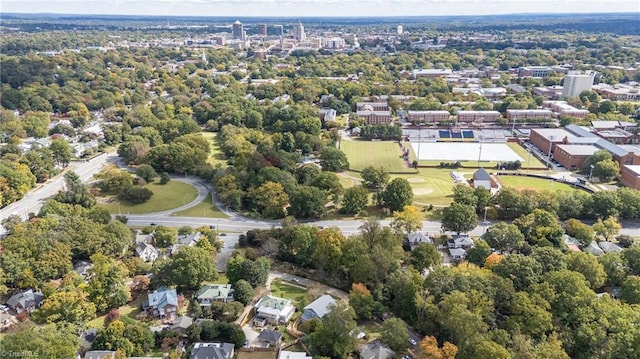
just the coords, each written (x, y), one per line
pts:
(330, 183)
(522, 270)
(191, 266)
(146, 172)
(397, 194)
(605, 204)
(608, 228)
(459, 218)
(355, 199)
(61, 150)
(588, 265)
(606, 169)
(242, 291)
(540, 227)
(334, 160)
(504, 237)
(334, 337)
(408, 220)
(164, 236)
(395, 334)
(59, 341)
(580, 231)
(375, 178)
(71, 306)
(106, 284)
(271, 199)
(614, 267)
(328, 250)
(479, 252)
(363, 303)
(307, 202)
(631, 290)
(424, 256)
(76, 192)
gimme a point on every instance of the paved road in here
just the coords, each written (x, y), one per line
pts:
(33, 200)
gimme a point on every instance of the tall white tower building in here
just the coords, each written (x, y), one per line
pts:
(400, 29)
(298, 31)
(575, 82)
(238, 30)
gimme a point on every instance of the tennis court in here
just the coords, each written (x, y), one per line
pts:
(496, 152)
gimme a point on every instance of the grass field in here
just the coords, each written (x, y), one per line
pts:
(215, 156)
(165, 197)
(530, 161)
(374, 153)
(538, 184)
(129, 310)
(205, 209)
(288, 291)
(432, 186)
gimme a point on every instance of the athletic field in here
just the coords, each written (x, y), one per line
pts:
(465, 152)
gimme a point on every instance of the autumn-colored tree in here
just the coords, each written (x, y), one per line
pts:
(362, 301)
(492, 260)
(429, 349)
(408, 220)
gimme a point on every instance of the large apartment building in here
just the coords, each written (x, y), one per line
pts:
(477, 116)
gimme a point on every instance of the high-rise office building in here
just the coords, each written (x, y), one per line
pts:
(238, 30)
(262, 29)
(298, 31)
(279, 30)
(575, 82)
(400, 29)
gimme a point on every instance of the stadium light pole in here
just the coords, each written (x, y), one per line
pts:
(480, 152)
(591, 172)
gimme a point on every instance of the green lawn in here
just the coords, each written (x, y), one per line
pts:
(130, 310)
(374, 153)
(165, 197)
(433, 185)
(215, 155)
(530, 161)
(283, 290)
(539, 184)
(206, 209)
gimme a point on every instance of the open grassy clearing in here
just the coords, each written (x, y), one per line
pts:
(530, 161)
(165, 197)
(206, 209)
(256, 354)
(374, 153)
(538, 184)
(215, 155)
(129, 310)
(288, 291)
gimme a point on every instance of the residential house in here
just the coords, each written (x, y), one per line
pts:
(273, 310)
(162, 303)
(188, 240)
(375, 350)
(458, 254)
(594, 249)
(318, 308)
(416, 238)
(212, 351)
(269, 338)
(146, 251)
(181, 324)
(609, 247)
(100, 354)
(211, 293)
(285, 354)
(460, 241)
(25, 301)
(82, 268)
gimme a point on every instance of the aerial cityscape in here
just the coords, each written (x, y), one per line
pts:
(271, 179)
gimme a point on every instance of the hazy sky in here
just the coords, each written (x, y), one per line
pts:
(316, 7)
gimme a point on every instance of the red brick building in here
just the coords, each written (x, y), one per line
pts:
(572, 157)
(478, 116)
(630, 176)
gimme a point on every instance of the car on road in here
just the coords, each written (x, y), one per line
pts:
(4, 308)
(413, 342)
(223, 234)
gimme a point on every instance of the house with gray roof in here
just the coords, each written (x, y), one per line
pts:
(269, 338)
(212, 351)
(609, 247)
(188, 240)
(318, 308)
(460, 241)
(25, 301)
(211, 293)
(375, 350)
(100, 354)
(146, 251)
(414, 239)
(162, 303)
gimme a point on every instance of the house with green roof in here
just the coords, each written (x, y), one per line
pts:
(211, 293)
(273, 310)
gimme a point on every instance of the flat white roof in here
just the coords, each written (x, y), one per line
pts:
(579, 150)
(557, 133)
(635, 169)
